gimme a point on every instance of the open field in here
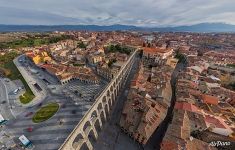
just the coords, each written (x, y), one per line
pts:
(32, 41)
(13, 73)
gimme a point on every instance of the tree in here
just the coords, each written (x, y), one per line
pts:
(180, 56)
(81, 45)
(119, 48)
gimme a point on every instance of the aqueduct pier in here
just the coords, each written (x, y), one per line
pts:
(86, 131)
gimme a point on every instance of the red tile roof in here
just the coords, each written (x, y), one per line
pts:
(217, 122)
(210, 99)
(155, 50)
(187, 106)
(30, 54)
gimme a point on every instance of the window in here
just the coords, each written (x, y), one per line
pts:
(153, 105)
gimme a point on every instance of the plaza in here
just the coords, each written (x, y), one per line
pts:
(74, 99)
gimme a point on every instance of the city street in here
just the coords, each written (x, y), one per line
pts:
(111, 136)
(53, 132)
(5, 111)
(55, 129)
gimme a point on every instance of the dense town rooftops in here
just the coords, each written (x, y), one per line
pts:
(178, 134)
(155, 50)
(210, 99)
(187, 106)
(218, 122)
(68, 72)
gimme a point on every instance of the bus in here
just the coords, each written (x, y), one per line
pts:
(2, 120)
(23, 139)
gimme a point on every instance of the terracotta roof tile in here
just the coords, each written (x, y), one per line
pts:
(210, 99)
(187, 106)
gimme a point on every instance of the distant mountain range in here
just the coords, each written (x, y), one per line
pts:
(203, 27)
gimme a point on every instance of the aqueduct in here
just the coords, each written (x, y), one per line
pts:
(86, 131)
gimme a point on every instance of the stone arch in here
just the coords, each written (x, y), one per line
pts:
(94, 115)
(84, 146)
(118, 88)
(123, 79)
(115, 93)
(100, 107)
(87, 126)
(102, 117)
(117, 79)
(104, 100)
(91, 137)
(97, 125)
(114, 87)
(122, 72)
(110, 103)
(108, 93)
(120, 83)
(113, 97)
(79, 139)
(111, 88)
(106, 109)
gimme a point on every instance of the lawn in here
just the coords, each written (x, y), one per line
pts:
(45, 112)
(118, 48)
(32, 41)
(14, 74)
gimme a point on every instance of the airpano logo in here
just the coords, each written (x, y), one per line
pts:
(219, 143)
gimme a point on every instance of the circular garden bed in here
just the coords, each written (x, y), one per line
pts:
(45, 112)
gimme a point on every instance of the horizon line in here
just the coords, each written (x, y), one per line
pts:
(168, 26)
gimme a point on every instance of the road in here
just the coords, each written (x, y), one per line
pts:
(5, 111)
(51, 133)
(111, 137)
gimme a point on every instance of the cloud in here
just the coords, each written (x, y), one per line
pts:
(107, 12)
(25, 17)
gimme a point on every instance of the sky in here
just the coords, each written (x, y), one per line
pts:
(151, 13)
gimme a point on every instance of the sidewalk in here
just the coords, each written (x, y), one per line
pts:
(5, 109)
(39, 96)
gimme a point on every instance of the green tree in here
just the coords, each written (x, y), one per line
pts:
(119, 48)
(81, 45)
(182, 58)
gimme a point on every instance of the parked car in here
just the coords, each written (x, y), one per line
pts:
(28, 114)
(29, 129)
